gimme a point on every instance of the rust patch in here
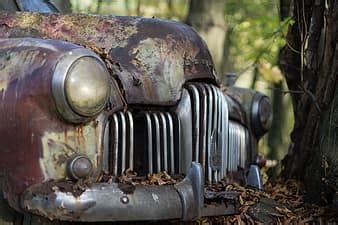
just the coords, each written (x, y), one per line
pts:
(126, 188)
(28, 114)
(148, 55)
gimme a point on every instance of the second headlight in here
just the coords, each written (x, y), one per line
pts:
(261, 114)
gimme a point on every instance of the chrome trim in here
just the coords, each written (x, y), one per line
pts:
(238, 137)
(238, 147)
(59, 79)
(116, 147)
(219, 140)
(232, 147)
(131, 140)
(225, 132)
(158, 142)
(193, 200)
(171, 143)
(165, 142)
(103, 202)
(209, 130)
(150, 143)
(215, 124)
(203, 129)
(242, 152)
(254, 178)
(123, 144)
(184, 115)
(255, 117)
(196, 119)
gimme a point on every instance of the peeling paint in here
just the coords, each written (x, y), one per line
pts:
(146, 56)
(58, 147)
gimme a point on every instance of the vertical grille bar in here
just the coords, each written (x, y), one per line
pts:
(224, 132)
(237, 146)
(131, 140)
(231, 147)
(171, 143)
(158, 142)
(196, 118)
(165, 142)
(219, 133)
(209, 128)
(215, 121)
(150, 143)
(115, 145)
(221, 137)
(243, 148)
(203, 125)
(123, 145)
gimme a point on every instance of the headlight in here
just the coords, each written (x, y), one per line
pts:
(80, 85)
(261, 114)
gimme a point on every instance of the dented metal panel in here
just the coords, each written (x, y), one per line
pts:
(32, 134)
(151, 58)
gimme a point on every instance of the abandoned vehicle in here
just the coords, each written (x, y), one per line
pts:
(107, 118)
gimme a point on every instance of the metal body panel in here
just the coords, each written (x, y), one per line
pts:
(32, 133)
(151, 58)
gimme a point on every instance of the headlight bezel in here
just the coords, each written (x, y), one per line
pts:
(59, 78)
(257, 120)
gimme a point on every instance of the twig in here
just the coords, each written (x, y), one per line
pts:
(286, 91)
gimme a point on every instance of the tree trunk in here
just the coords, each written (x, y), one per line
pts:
(309, 62)
(208, 18)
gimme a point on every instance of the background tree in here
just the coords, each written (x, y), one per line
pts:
(309, 62)
(210, 25)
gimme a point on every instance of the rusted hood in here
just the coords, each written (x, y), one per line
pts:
(151, 58)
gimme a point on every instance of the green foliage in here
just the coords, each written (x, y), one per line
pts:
(256, 32)
(172, 9)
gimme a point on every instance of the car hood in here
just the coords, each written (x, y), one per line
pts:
(150, 58)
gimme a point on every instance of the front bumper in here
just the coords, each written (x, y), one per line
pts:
(111, 202)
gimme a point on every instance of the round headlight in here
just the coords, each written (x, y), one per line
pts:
(87, 86)
(261, 114)
(80, 85)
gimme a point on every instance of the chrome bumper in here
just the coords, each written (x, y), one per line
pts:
(110, 202)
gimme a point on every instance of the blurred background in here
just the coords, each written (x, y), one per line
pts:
(244, 36)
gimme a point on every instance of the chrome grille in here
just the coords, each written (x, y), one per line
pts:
(160, 132)
(158, 128)
(210, 129)
(122, 143)
(238, 145)
(198, 130)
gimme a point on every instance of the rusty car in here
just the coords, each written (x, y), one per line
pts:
(118, 118)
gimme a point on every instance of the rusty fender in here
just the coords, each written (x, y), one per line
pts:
(33, 135)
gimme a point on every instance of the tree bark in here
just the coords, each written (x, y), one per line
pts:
(208, 18)
(309, 63)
